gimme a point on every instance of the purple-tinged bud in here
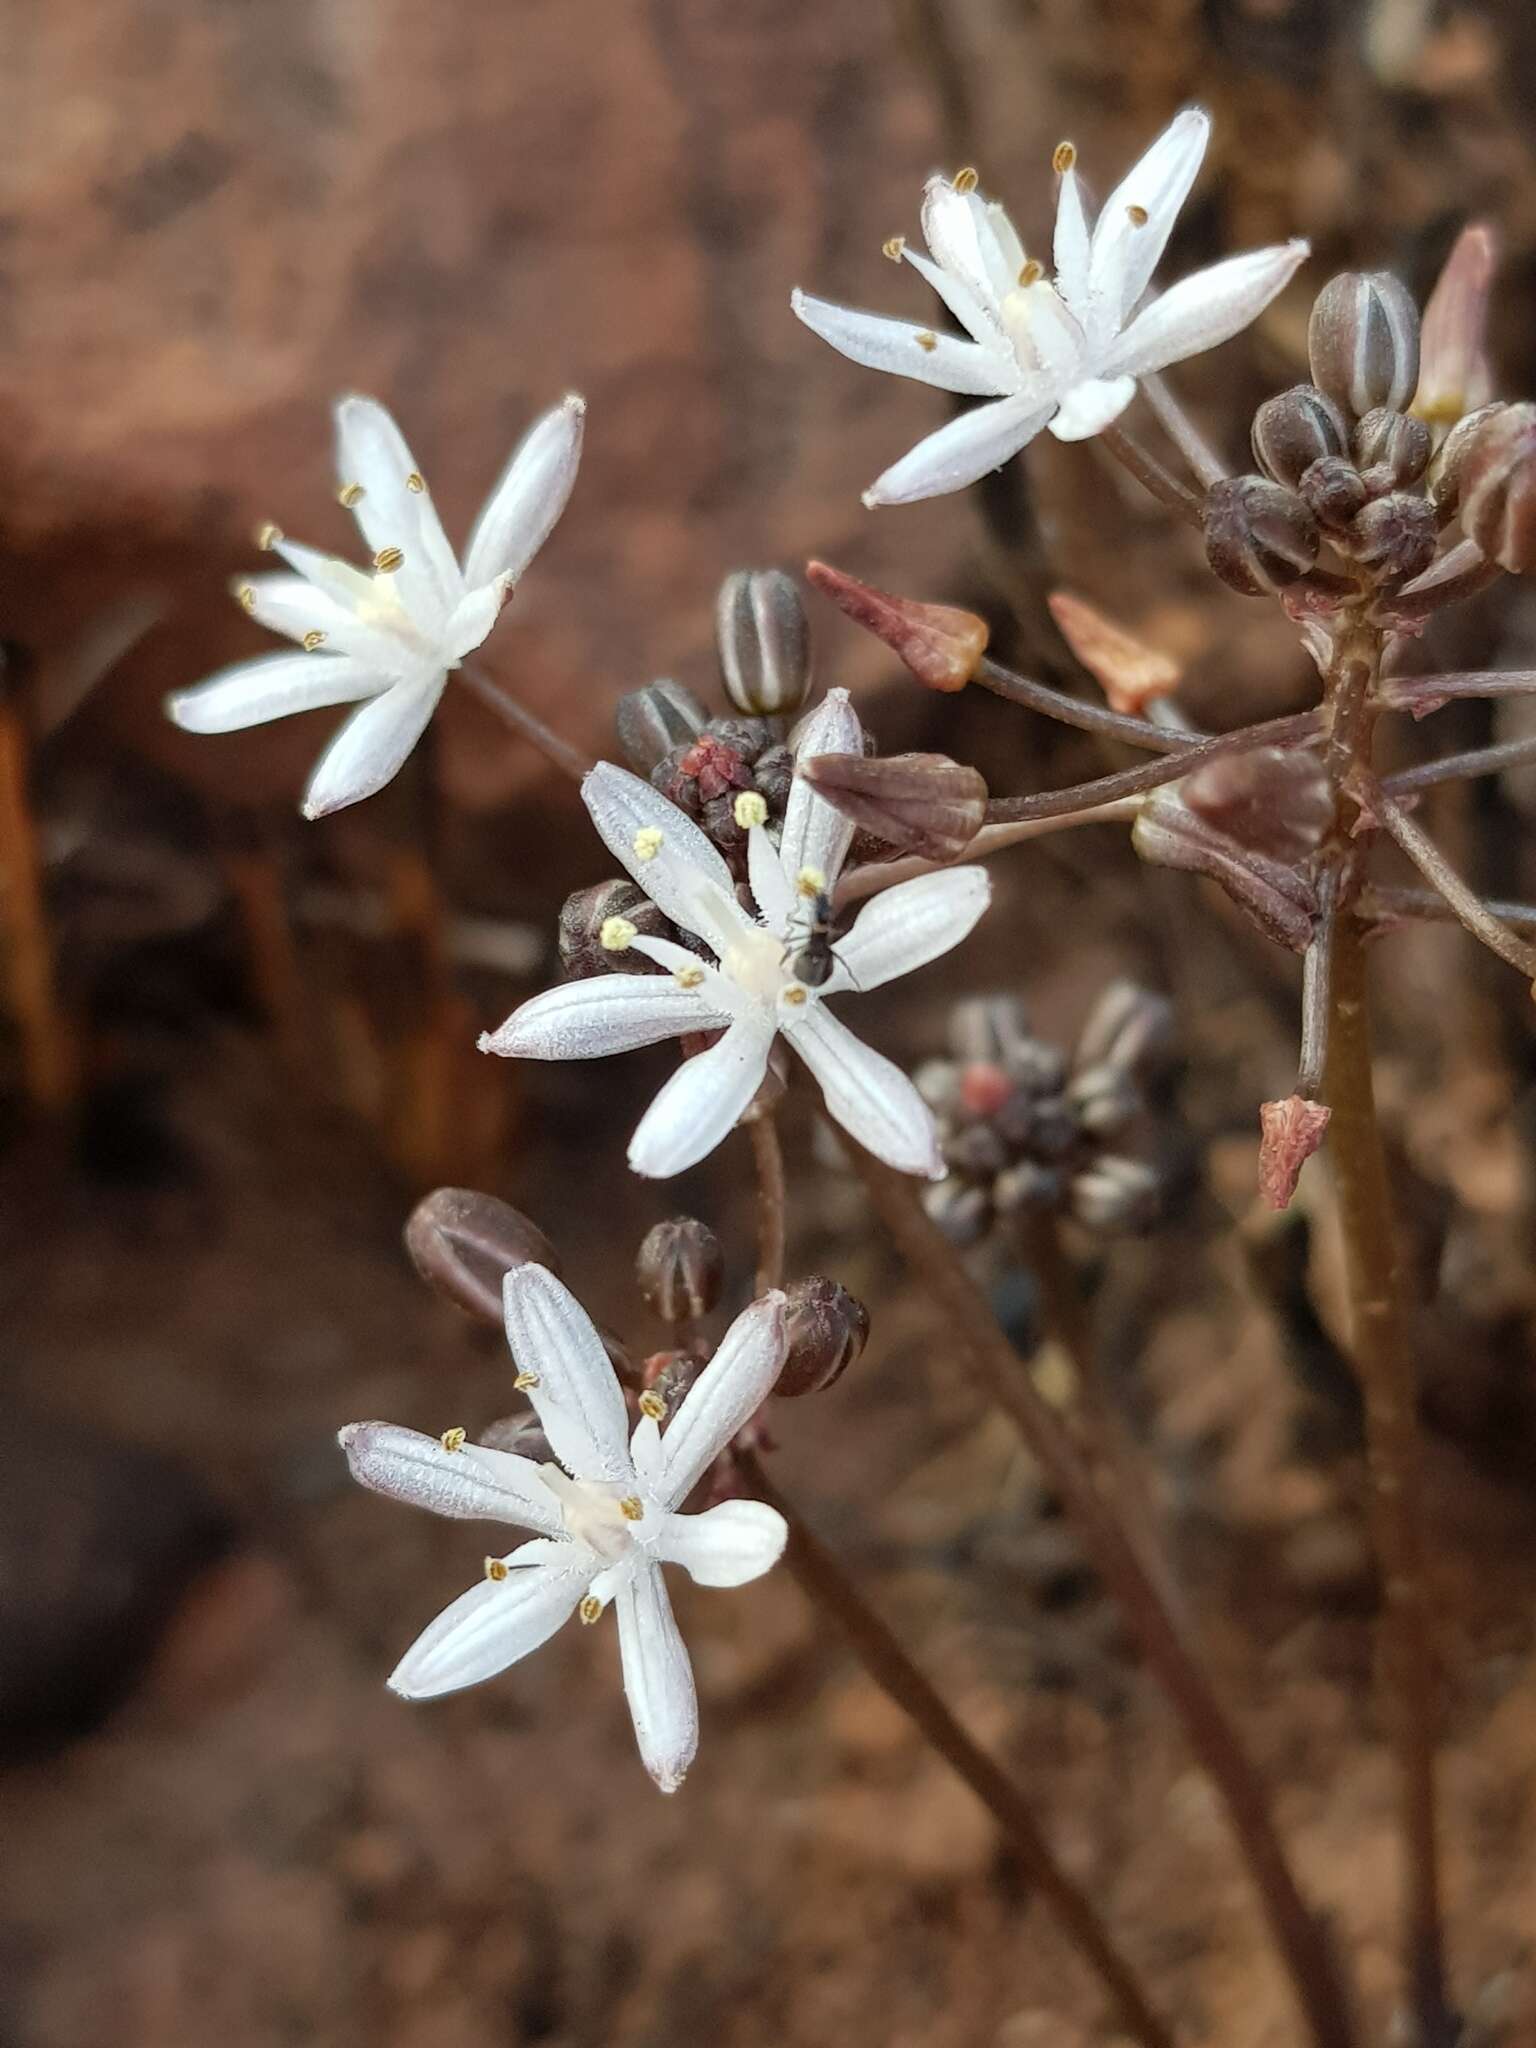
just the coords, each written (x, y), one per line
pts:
(1273, 800)
(941, 644)
(665, 1378)
(1335, 490)
(827, 1328)
(1453, 369)
(597, 924)
(681, 1269)
(463, 1244)
(764, 641)
(1363, 341)
(1395, 537)
(1114, 1195)
(1296, 429)
(1445, 470)
(961, 1211)
(1103, 1098)
(1498, 489)
(1282, 903)
(1258, 535)
(772, 773)
(1128, 1027)
(1291, 1130)
(652, 721)
(1391, 449)
(975, 1150)
(1027, 1185)
(920, 803)
(989, 1030)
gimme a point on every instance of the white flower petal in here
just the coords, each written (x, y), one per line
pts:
(681, 871)
(702, 1101)
(658, 1679)
(815, 835)
(1005, 236)
(908, 350)
(372, 747)
(395, 510)
(521, 511)
(1139, 215)
(585, 1020)
(357, 589)
(253, 692)
(1089, 407)
(772, 891)
(472, 619)
(982, 439)
(471, 1484)
(868, 1094)
(976, 316)
(576, 1395)
(716, 991)
(729, 1545)
(906, 927)
(1073, 243)
(1201, 311)
(295, 606)
(950, 228)
(492, 1625)
(725, 1396)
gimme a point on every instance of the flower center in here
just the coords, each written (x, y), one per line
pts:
(604, 1517)
(1043, 332)
(755, 961)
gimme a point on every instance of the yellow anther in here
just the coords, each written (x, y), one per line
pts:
(632, 1508)
(794, 995)
(1064, 156)
(927, 341)
(615, 934)
(894, 249)
(1031, 273)
(525, 1380)
(648, 841)
(416, 481)
(652, 1405)
(247, 597)
(689, 977)
(268, 536)
(1138, 216)
(749, 809)
(810, 882)
(453, 1439)
(590, 1610)
(498, 1569)
(349, 495)
(388, 560)
(967, 180)
(313, 639)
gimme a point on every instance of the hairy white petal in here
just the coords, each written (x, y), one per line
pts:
(576, 1394)
(721, 996)
(980, 440)
(658, 1679)
(729, 1545)
(1201, 311)
(520, 514)
(815, 834)
(978, 317)
(470, 1484)
(701, 1102)
(585, 1020)
(680, 870)
(868, 1094)
(1089, 407)
(725, 1396)
(296, 606)
(772, 890)
(1128, 246)
(950, 228)
(907, 349)
(493, 1624)
(1072, 246)
(357, 589)
(253, 692)
(1000, 242)
(372, 747)
(395, 513)
(904, 928)
(471, 620)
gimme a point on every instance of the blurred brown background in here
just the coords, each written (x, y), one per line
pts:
(217, 214)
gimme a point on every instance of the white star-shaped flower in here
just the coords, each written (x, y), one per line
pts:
(751, 991)
(1062, 352)
(604, 1519)
(387, 636)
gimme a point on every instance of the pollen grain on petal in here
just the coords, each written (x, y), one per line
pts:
(388, 560)
(497, 1568)
(526, 1381)
(314, 639)
(689, 977)
(247, 597)
(794, 995)
(416, 482)
(648, 842)
(927, 341)
(1032, 273)
(268, 536)
(894, 249)
(967, 180)
(749, 809)
(590, 1610)
(1063, 157)
(349, 495)
(632, 1508)
(1137, 215)
(616, 934)
(810, 882)
(453, 1439)
(652, 1405)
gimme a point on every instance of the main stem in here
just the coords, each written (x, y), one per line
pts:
(1299, 1935)
(1384, 1363)
(825, 1583)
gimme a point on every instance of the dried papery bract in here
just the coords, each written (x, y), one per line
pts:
(941, 644)
(921, 804)
(463, 1244)
(1291, 1131)
(764, 642)
(1131, 674)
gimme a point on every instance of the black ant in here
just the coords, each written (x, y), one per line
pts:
(813, 960)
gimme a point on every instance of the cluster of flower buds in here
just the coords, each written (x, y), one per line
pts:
(1023, 1127)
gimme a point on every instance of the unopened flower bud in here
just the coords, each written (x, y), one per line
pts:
(1283, 903)
(1128, 1027)
(941, 644)
(681, 1269)
(765, 643)
(665, 1378)
(920, 803)
(604, 910)
(827, 1328)
(1131, 674)
(1363, 341)
(1296, 429)
(1115, 1194)
(1259, 536)
(1392, 448)
(1028, 1185)
(1498, 489)
(1453, 368)
(1104, 1098)
(1273, 800)
(963, 1212)
(989, 1030)
(1449, 462)
(1335, 490)
(464, 1244)
(1395, 536)
(652, 721)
